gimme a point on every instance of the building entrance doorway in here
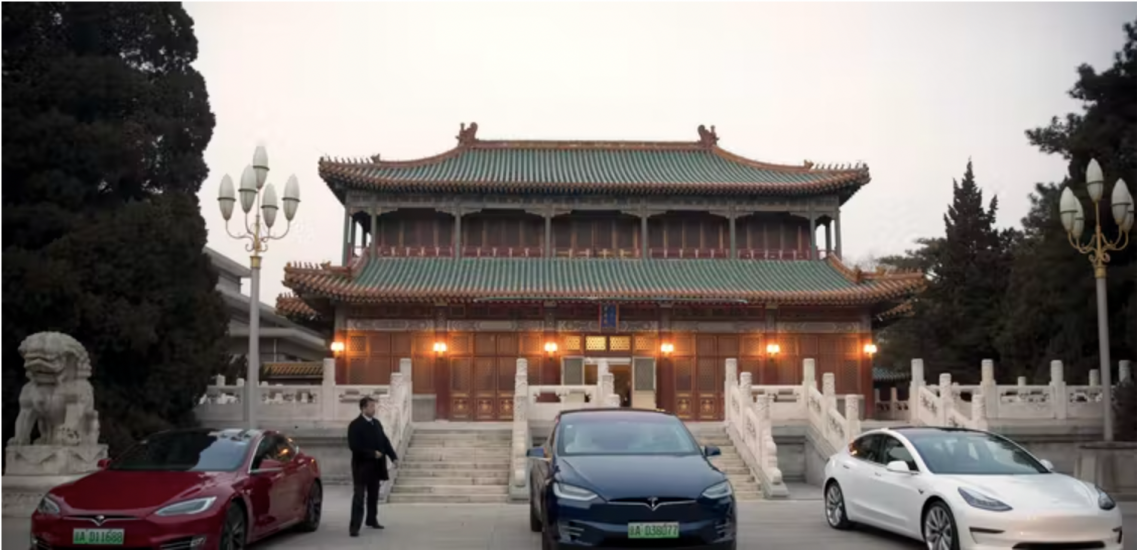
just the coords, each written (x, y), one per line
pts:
(623, 383)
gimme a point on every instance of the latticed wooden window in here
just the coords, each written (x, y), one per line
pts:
(461, 374)
(485, 374)
(357, 344)
(645, 343)
(683, 369)
(644, 374)
(620, 343)
(572, 342)
(572, 372)
(595, 343)
(460, 344)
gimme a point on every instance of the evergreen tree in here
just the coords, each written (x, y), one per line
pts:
(104, 126)
(955, 318)
(1050, 310)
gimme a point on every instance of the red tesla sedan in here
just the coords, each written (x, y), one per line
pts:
(186, 490)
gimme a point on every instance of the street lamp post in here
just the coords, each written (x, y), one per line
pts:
(1098, 248)
(255, 191)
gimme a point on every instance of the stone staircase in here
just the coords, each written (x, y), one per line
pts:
(729, 461)
(455, 463)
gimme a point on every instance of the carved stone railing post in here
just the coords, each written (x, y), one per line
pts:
(730, 376)
(809, 374)
(945, 398)
(978, 411)
(1059, 392)
(917, 382)
(1094, 378)
(606, 391)
(851, 414)
(521, 427)
(989, 390)
(829, 401)
(1125, 371)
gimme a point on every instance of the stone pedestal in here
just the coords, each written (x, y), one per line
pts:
(1112, 466)
(32, 470)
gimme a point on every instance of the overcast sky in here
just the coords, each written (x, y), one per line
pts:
(914, 90)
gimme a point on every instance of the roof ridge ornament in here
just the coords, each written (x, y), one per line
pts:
(708, 136)
(467, 133)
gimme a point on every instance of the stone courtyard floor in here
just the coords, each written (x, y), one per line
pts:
(790, 525)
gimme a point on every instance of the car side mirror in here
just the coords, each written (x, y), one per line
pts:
(536, 452)
(898, 467)
(104, 463)
(712, 450)
(1048, 464)
(268, 466)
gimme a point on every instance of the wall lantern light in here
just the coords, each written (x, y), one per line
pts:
(870, 349)
(439, 348)
(337, 347)
(773, 349)
(551, 348)
(667, 348)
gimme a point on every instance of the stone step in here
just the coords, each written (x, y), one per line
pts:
(443, 430)
(461, 437)
(455, 473)
(489, 464)
(459, 451)
(430, 498)
(498, 480)
(418, 443)
(401, 488)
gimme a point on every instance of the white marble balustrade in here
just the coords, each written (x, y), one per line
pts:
(309, 405)
(984, 404)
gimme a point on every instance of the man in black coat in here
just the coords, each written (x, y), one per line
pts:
(370, 450)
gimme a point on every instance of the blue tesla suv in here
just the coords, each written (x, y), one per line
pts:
(626, 478)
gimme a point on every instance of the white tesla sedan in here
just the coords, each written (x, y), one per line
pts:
(965, 489)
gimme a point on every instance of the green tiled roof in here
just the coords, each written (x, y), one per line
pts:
(576, 166)
(416, 279)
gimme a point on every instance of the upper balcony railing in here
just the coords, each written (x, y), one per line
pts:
(562, 252)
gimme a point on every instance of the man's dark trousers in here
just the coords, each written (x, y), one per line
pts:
(365, 485)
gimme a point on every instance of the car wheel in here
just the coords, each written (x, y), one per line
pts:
(312, 519)
(939, 529)
(835, 507)
(535, 521)
(234, 532)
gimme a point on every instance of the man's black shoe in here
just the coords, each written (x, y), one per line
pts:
(354, 533)
(375, 526)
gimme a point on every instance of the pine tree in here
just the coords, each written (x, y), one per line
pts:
(955, 318)
(104, 126)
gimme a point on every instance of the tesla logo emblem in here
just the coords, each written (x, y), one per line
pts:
(652, 503)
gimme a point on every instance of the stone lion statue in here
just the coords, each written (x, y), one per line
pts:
(58, 397)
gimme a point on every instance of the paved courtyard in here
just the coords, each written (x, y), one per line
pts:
(769, 525)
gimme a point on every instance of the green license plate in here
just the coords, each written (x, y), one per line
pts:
(105, 537)
(654, 530)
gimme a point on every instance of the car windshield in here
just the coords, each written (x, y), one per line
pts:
(190, 451)
(973, 453)
(629, 434)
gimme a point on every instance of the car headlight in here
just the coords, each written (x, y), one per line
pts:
(1103, 500)
(983, 502)
(570, 492)
(48, 506)
(718, 491)
(187, 507)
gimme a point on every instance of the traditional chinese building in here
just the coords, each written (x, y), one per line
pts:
(666, 258)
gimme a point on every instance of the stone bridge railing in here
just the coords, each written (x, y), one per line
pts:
(983, 405)
(312, 405)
